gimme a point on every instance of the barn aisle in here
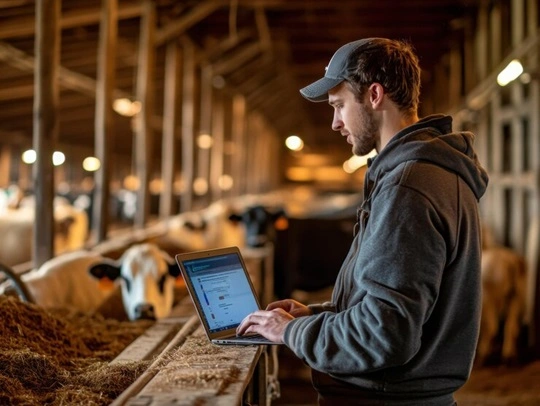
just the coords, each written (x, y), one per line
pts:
(489, 386)
(502, 386)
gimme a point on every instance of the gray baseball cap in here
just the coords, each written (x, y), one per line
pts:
(339, 69)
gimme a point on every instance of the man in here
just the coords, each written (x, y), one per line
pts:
(403, 323)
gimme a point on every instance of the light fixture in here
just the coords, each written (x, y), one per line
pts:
(294, 143)
(58, 158)
(126, 107)
(29, 157)
(510, 73)
(225, 182)
(91, 164)
(205, 141)
(200, 186)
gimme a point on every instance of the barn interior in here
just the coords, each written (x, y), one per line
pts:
(162, 113)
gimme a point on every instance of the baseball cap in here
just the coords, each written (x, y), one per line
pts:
(339, 68)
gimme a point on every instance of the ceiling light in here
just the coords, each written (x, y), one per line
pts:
(294, 143)
(510, 73)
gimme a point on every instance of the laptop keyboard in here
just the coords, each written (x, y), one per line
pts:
(250, 337)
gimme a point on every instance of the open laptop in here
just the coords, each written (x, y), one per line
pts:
(222, 293)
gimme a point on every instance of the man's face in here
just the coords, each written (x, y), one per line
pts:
(354, 120)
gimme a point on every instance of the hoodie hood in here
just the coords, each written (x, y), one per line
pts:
(432, 140)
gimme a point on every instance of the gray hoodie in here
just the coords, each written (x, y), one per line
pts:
(404, 318)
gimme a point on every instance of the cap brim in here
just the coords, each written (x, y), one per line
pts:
(318, 91)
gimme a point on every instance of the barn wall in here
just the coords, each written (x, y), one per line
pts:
(506, 122)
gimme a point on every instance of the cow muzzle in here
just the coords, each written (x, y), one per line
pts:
(145, 311)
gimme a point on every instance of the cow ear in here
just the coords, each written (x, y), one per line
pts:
(180, 282)
(174, 270)
(106, 273)
(235, 218)
(104, 270)
(280, 221)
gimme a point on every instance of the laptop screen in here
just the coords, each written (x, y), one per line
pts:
(221, 289)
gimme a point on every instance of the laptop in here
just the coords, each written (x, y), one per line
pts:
(222, 293)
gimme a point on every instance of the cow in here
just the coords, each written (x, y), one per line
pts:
(17, 230)
(63, 282)
(206, 229)
(146, 275)
(503, 303)
(260, 224)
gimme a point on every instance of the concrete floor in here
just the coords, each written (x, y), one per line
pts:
(489, 386)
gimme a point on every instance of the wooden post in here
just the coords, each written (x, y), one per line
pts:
(217, 153)
(104, 122)
(170, 104)
(238, 132)
(205, 126)
(188, 121)
(143, 134)
(47, 50)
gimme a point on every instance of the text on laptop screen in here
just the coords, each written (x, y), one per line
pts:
(222, 289)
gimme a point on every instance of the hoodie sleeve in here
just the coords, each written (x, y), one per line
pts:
(385, 295)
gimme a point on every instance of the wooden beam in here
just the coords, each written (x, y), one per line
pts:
(216, 51)
(188, 122)
(47, 46)
(143, 132)
(24, 27)
(67, 78)
(217, 152)
(241, 57)
(104, 120)
(170, 122)
(238, 138)
(205, 126)
(175, 29)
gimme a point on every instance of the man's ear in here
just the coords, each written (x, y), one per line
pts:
(376, 94)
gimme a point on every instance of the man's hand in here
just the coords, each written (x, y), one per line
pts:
(291, 306)
(270, 324)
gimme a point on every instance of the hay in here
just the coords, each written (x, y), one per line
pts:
(187, 366)
(61, 356)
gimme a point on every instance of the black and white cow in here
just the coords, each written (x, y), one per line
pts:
(260, 224)
(146, 275)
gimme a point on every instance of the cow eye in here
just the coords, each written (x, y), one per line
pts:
(126, 281)
(161, 283)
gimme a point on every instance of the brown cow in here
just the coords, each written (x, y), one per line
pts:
(503, 301)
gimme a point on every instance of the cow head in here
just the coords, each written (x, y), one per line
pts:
(261, 224)
(147, 277)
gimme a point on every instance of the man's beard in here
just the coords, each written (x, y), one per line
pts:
(365, 142)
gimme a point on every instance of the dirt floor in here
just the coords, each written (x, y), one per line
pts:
(489, 386)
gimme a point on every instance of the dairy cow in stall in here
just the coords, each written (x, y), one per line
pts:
(261, 224)
(140, 284)
(504, 274)
(147, 276)
(17, 228)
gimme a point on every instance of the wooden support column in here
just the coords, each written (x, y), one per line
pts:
(188, 122)
(455, 82)
(5, 165)
(143, 133)
(238, 137)
(481, 60)
(217, 153)
(170, 122)
(47, 50)
(205, 126)
(495, 36)
(104, 121)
